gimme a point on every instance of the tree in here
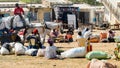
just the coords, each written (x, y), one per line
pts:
(91, 2)
(31, 1)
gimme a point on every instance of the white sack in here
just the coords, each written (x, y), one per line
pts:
(74, 52)
(12, 51)
(19, 24)
(41, 52)
(19, 49)
(4, 51)
(30, 51)
(12, 44)
(25, 48)
(6, 22)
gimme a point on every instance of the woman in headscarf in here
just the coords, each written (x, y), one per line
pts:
(50, 50)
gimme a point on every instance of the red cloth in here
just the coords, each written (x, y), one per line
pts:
(68, 36)
(103, 36)
(35, 31)
(18, 10)
(21, 33)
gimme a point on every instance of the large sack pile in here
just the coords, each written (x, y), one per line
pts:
(5, 23)
(74, 52)
(17, 23)
(97, 55)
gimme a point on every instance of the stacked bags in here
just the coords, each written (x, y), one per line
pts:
(17, 48)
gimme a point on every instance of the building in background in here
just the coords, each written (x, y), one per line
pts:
(59, 11)
(84, 13)
(36, 10)
(112, 11)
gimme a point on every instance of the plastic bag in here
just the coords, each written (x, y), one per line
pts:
(30, 51)
(97, 55)
(74, 52)
(4, 51)
(41, 52)
(19, 49)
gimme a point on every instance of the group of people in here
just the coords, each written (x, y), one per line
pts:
(55, 34)
(35, 40)
(105, 36)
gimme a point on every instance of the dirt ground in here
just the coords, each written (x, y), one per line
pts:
(12, 61)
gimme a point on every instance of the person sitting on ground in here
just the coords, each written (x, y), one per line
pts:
(55, 33)
(69, 37)
(15, 37)
(79, 35)
(34, 37)
(111, 36)
(71, 30)
(50, 51)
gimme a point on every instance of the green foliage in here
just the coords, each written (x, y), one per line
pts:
(8, 0)
(91, 2)
(31, 1)
(117, 51)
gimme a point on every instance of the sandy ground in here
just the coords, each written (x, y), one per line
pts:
(12, 61)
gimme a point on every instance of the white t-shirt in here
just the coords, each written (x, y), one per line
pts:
(87, 34)
(50, 52)
(83, 31)
(78, 36)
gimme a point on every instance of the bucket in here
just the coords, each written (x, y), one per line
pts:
(89, 48)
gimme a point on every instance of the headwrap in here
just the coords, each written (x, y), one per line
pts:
(35, 31)
(50, 41)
